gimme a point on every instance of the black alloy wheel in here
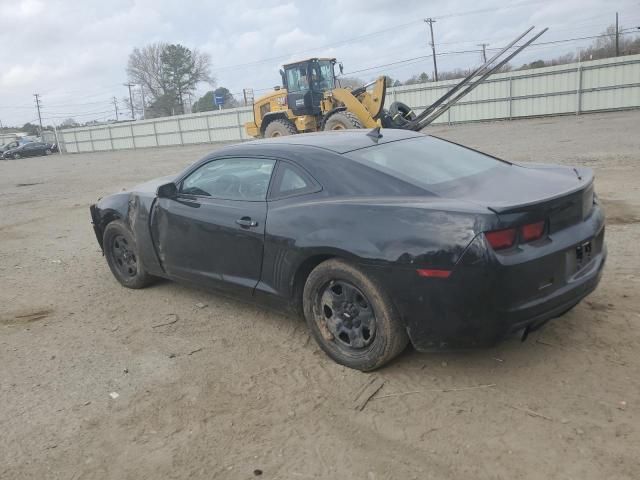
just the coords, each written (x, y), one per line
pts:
(348, 314)
(125, 258)
(351, 316)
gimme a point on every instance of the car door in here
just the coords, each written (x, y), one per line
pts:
(212, 232)
(30, 150)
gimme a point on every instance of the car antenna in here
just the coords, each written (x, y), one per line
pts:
(375, 134)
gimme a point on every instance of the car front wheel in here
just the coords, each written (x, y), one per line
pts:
(47, 151)
(16, 156)
(351, 317)
(123, 256)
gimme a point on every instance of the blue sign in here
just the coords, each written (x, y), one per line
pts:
(218, 99)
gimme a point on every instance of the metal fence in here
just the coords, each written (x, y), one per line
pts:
(598, 85)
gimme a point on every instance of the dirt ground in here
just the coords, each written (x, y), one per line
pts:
(233, 391)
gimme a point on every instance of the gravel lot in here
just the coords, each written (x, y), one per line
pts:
(229, 389)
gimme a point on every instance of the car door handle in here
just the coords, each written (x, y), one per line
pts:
(246, 222)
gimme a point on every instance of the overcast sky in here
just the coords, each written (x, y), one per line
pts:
(74, 52)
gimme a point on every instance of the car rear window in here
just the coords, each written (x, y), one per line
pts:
(425, 160)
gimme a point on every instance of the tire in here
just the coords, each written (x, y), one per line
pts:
(47, 151)
(342, 120)
(401, 113)
(280, 128)
(122, 256)
(16, 156)
(353, 301)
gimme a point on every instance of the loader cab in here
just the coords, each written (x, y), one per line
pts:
(306, 83)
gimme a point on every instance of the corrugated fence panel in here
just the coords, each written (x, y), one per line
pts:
(122, 143)
(167, 126)
(146, 141)
(100, 133)
(169, 139)
(143, 128)
(82, 136)
(198, 136)
(609, 99)
(121, 131)
(607, 84)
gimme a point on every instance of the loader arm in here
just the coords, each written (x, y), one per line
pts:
(345, 97)
(374, 101)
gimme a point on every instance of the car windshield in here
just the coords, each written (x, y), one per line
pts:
(425, 161)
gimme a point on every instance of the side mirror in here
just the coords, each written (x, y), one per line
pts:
(168, 190)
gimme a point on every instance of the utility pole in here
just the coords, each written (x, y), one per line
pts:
(129, 85)
(38, 107)
(431, 21)
(142, 94)
(484, 51)
(617, 37)
(115, 104)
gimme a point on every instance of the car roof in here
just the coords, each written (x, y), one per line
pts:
(337, 141)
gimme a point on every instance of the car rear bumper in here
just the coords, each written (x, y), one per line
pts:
(488, 297)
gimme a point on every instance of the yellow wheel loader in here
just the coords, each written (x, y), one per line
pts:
(312, 100)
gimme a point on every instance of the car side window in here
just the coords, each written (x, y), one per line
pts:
(230, 179)
(290, 181)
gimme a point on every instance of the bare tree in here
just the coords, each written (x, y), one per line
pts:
(69, 123)
(168, 73)
(145, 68)
(350, 82)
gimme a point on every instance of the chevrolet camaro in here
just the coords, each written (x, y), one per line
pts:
(377, 238)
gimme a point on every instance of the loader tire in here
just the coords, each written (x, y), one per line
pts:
(280, 128)
(342, 121)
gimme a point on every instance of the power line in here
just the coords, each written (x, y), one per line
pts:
(50, 117)
(395, 28)
(408, 61)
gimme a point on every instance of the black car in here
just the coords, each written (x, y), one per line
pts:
(379, 238)
(31, 149)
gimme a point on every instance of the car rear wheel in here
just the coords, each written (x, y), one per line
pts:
(47, 151)
(123, 256)
(16, 156)
(351, 317)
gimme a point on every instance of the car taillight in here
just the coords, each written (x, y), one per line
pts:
(433, 273)
(532, 231)
(501, 239)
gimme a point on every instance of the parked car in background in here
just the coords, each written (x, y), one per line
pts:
(9, 146)
(32, 149)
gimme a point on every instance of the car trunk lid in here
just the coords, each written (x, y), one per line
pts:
(561, 195)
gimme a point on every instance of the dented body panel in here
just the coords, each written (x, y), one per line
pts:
(388, 227)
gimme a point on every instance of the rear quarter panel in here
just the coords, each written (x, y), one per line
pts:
(386, 234)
